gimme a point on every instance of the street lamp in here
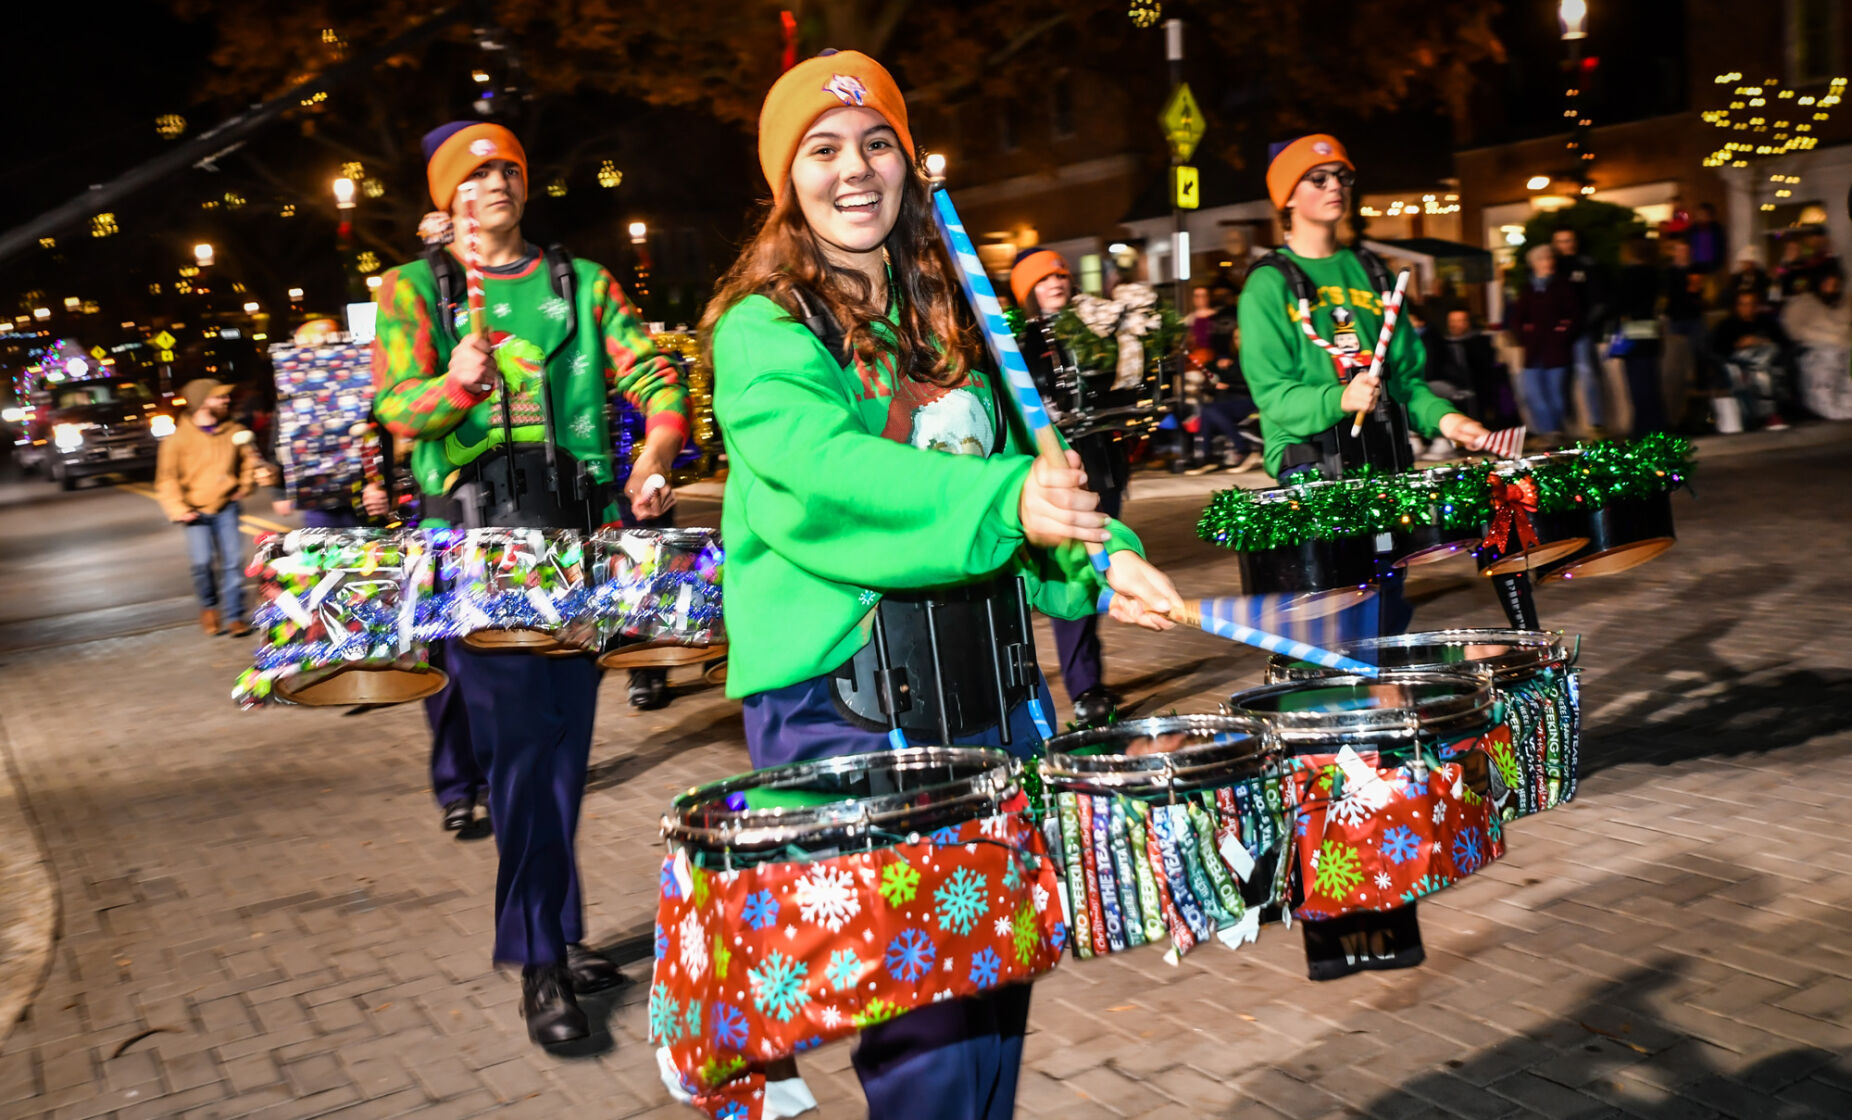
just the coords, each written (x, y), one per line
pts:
(344, 193)
(1572, 16)
(295, 295)
(202, 253)
(250, 307)
(639, 233)
(41, 313)
(935, 167)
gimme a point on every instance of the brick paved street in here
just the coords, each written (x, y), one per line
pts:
(261, 918)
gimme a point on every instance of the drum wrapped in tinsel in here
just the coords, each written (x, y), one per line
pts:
(343, 618)
(658, 596)
(520, 589)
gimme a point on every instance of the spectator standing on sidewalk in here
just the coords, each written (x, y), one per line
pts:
(1749, 276)
(1545, 320)
(1705, 235)
(1591, 287)
(1820, 323)
(1637, 297)
(1683, 288)
(201, 474)
(1463, 368)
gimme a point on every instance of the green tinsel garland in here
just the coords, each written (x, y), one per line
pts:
(1447, 498)
(1101, 353)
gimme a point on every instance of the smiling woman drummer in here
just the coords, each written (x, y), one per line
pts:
(879, 479)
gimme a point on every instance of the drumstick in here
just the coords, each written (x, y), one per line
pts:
(1218, 616)
(471, 236)
(1392, 310)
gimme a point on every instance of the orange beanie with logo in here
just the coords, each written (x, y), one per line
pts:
(812, 88)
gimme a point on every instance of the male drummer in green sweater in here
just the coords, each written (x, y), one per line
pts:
(1310, 383)
(561, 339)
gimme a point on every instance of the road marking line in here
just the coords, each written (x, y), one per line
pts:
(249, 525)
(270, 525)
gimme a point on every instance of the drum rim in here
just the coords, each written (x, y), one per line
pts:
(751, 829)
(1540, 650)
(1202, 765)
(1448, 719)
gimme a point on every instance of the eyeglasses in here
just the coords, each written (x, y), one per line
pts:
(1321, 178)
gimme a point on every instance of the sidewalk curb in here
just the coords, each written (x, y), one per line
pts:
(29, 910)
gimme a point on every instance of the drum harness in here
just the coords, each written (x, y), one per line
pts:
(1335, 450)
(524, 486)
(947, 661)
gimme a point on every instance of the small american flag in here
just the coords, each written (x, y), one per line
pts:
(1506, 444)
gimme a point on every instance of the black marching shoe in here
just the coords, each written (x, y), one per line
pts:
(1095, 706)
(649, 689)
(459, 814)
(591, 972)
(547, 1003)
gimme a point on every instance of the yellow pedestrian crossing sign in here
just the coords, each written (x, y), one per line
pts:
(164, 341)
(167, 355)
(98, 353)
(1182, 120)
(1184, 187)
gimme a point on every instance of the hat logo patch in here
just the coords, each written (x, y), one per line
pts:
(483, 146)
(1322, 148)
(847, 88)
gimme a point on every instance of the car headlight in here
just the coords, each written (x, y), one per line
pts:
(161, 425)
(69, 437)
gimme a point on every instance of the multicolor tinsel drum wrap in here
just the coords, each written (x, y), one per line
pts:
(1534, 747)
(344, 616)
(801, 903)
(1166, 827)
(1389, 783)
(1321, 562)
(658, 595)
(521, 588)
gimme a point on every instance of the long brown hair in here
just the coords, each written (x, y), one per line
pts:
(935, 340)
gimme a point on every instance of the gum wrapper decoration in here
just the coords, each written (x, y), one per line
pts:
(335, 599)
(522, 579)
(767, 961)
(660, 585)
(322, 393)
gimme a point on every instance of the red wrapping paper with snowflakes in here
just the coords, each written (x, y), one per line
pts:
(767, 961)
(1391, 835)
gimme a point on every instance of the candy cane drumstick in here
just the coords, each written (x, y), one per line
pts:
(1392, 310)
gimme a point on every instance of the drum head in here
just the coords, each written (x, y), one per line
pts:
(663, 653)
(1612, 560)
(832, 804)
(1160, 755)
(1621, 535)
(1527, 558)
(357, 684)
(1395, 709)
(715, 672)
(522, 640)
(1507, 654)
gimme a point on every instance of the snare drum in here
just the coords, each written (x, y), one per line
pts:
(523, 589)
(801, 903)
(342, 619)
(1171, 826)
(659, 596)
(1389, 807)
(1313, 565)
(1534, 747)
(1522, 538)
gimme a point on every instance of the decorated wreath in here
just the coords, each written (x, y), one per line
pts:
(1450, 498)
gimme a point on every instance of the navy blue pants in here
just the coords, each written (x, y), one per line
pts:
(1077, 641)
(956, 1060)
(530, 723)
(455, 774)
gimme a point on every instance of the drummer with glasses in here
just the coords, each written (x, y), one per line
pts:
(1310, 316)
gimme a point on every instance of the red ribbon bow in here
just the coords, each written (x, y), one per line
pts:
(1512, 506)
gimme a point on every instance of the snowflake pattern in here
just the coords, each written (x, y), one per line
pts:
(899, 883)
(946, 836)
(845, 968)
(581, 363)
(830, 1016)
(1440, 811)
(1059, 940)
(1383, 881)
(984, 968)
(910, 955)
(729, 1027)
(877, 1011)
(1468, 851)
(1027, 936)
(1400, 844)
(694, 944)
(778, 986)
(555, 309)
(1358, 805)
(1339, 871)
(504, 309)
(662, 941)
(733, 1110)
(665, 1015)
(996, 826)
(1425, 885)
(1003, 925)
(723, 957)
(693, 1018)
(961, 901)
(1040, 894)
(667, 883)
(582, 427)
(761, 910)
(1012, 876)
(826, 897)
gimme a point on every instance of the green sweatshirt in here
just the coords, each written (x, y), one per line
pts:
(841, 487)
(611, 351)
(1294, 382)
